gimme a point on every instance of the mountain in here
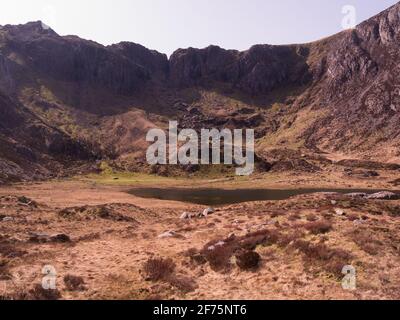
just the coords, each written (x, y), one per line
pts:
(66, 101)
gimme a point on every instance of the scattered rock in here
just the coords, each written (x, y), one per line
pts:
(369, 165)
(362, 173)
(168, 234)
(231, 237)
(216, 245)
(188, 215)
(37, 237)
(356, 195)
(61, 238)
(207, 211)
(384, 195)
(295, 165)
(185, 216)
(7, 219)
(339, 212)
(358, 222)
(26, 201)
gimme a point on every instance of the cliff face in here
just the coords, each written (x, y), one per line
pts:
(351, 57)
(360, 84)
(339, 94)
(257, 71)
(122, 68)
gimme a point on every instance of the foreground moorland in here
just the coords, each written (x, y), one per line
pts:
(107, 244)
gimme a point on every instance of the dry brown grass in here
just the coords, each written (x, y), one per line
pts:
(319, 227)
(366, 242)
(294, 217)
(311, 217)
(183, 284)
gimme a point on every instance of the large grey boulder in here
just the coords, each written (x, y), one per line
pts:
(384, 195)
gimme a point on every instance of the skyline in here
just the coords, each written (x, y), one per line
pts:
(166, 27)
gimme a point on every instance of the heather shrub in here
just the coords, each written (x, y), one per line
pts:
(39, 293)
(248, 260)
(218, 256)
(262, 237)
(74, 283)
(319, 255)
(4, 272)
(159, 269)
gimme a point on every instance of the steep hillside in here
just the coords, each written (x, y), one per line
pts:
(67, 97)
(30, 148)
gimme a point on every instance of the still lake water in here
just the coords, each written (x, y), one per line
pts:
(216, 197)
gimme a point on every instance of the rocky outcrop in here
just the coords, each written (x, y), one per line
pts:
(156, 64)
(257, 71)
(80, 61)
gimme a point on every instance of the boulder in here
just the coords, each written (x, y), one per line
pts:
(207, 211)
(38, 237)
(60, 237)
(384, 195)
(185, 215)
(339, 212)
(356, 195)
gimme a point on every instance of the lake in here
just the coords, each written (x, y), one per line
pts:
(216, 197)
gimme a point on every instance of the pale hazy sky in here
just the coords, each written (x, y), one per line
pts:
(166, 25)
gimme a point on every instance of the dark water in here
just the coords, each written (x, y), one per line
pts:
(215, 197)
